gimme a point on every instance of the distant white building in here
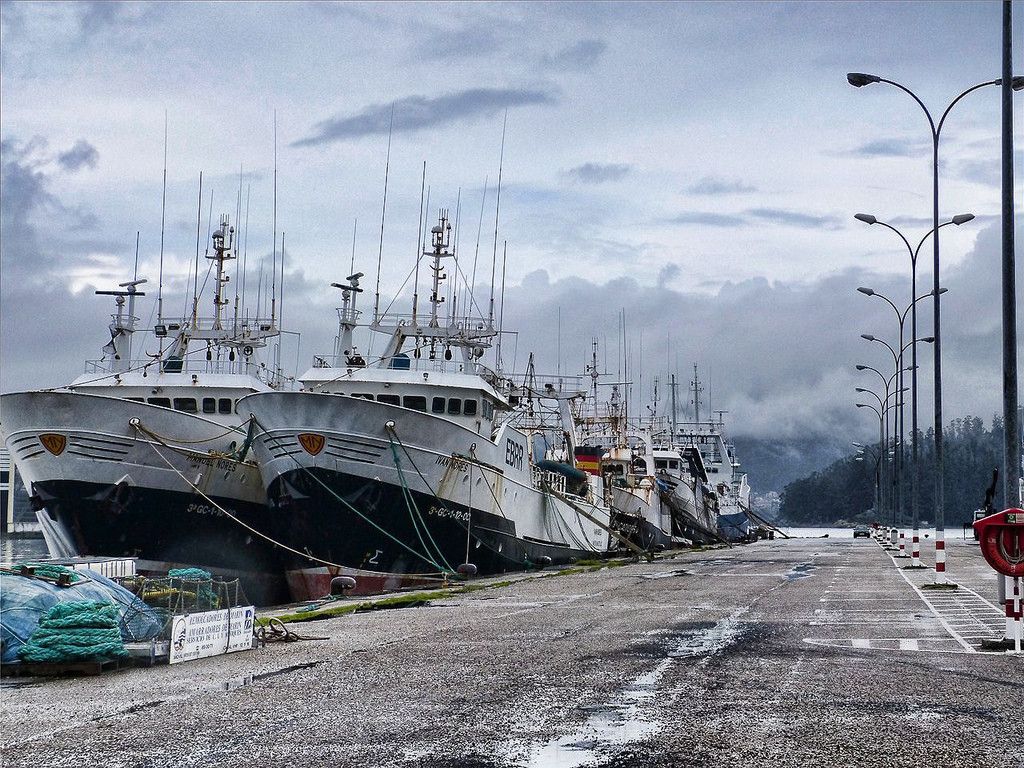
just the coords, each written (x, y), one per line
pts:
(17, 515)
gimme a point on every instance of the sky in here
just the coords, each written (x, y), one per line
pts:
(695, 166)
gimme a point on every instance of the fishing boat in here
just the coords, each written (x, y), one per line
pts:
(723, 468)
(147, 456)
(658, 490)
(409, 466)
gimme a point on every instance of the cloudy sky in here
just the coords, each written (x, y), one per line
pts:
(695, 165)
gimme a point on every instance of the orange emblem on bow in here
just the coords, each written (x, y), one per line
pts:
(55, 444)
(312, 444)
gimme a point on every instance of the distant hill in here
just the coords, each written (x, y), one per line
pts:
(772, 464)
(844, 490)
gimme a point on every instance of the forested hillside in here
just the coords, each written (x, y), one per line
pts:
(845, 490)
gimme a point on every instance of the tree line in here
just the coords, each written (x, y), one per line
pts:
(845, 490)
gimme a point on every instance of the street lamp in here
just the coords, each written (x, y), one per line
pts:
(915, 476)
(958, 219)
(859, 80)
(898, 369)
(881, 448)
(862, 449)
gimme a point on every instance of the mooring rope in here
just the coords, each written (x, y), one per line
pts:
(164, 438)
(442, 575)
(414, 512)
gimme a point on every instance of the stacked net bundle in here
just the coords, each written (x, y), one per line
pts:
(76, 631)
(29, 592)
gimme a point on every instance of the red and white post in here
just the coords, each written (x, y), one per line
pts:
(915, 549)
(903, 545)
(1012, 595)
(940, 557)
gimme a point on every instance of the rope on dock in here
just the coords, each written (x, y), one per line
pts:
(276, 631)
(76, 631)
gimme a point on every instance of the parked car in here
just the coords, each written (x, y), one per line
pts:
(862, 530)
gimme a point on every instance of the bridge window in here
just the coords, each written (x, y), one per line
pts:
(209, 405)
(454, 406)
(389, 399)
(224, 405)
(437, 405)
(163, 402)
(469, 407)
(416, 402)
(186, 404)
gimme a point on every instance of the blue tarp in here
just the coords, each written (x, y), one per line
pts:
(24, 600)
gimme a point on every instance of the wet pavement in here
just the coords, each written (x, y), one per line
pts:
(804, 652)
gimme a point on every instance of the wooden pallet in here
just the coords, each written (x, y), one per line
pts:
(69, 668)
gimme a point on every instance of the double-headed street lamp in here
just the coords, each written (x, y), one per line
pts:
(884, 428)
(877, 456)
(881, 445)
(897, 359)
(915, 473)
(859, 80)
(901, 318)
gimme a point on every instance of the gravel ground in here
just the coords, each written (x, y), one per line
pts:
(733, 657)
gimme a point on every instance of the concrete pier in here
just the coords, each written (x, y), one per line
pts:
(801, 652)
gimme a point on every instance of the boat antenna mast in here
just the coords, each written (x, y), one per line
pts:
(345, 352)
(119, 349)
(696, 388)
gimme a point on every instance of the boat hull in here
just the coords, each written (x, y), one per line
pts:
(370, 486)
(104, 488)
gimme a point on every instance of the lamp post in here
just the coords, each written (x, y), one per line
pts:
(859, 80)
(881, 443)
(915, 472)
(901, 317)
(878, 466)
(886, 383)
(897, 358)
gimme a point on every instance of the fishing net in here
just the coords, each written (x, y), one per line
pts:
(184, 591)
(29, 592)
(76, 631)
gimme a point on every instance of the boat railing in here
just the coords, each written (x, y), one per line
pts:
(249, 328)
(470, 326)
(545, 478)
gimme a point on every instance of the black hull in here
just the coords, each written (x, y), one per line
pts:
(169, 527)
(641, 532)
(378, 529)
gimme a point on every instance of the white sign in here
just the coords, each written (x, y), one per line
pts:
(211, 633)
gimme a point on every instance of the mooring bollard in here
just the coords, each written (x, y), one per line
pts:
(342, 584)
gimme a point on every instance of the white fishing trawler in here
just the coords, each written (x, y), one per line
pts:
(145, 454)
(658, 490)
(723, 468)
(409, 465)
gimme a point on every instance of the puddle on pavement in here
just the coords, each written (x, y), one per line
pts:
(631, 715)
(800, 571)
(236, 682)
(666, 574)
(245, 681)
